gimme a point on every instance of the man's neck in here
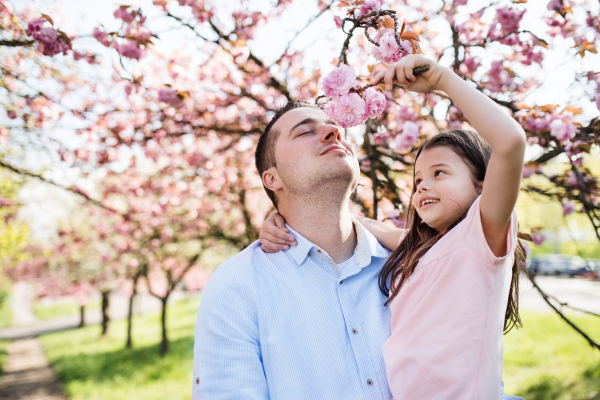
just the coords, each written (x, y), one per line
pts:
(327, 224)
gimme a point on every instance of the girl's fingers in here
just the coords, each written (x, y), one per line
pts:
(389, 78)
(280, 222)
(271, 247)
(377, 77)
(278, 233)
(400, 75)
(408, 71)
(278, 240)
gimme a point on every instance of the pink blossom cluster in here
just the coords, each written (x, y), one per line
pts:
(509, 19)
(562, 129)
(499, 79)
(170, 97)
(568, 207)
(538, 238)
(598, 101)
(388, 51)
(408, 137)
(370, 5)
(350, 109)
(49, 41)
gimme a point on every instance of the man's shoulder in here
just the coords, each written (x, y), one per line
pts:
(239, 267)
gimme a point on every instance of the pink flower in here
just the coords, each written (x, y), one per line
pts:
(35, 26)
(375, 102)
(170, 97)
(554, 4)
(370, 5)
(568, 207)
(598, 101)
(338, 21)
(538, 238)
(125, 15)
(460, 2)
(142, 34)
(130, 49)
(388, 50)
(339, 81)
(101, 36)
(11, 114)
(527, 249)
(509, 19)
(46, 35)
(561, 130)
(471, 64)
(348, 110)
(527, 172)
(409, 136)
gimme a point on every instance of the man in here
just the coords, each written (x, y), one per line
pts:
(308, 322)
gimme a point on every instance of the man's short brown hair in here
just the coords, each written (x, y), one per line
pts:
(265, 150)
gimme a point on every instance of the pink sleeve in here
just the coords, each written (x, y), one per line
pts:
(473, 237)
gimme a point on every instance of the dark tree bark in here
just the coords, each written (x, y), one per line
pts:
(129, 343)
(164, 344)
(81, 316)
(105, 316)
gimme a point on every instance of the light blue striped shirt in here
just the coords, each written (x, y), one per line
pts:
(289, 326)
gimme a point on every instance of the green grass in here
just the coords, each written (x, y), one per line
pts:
(546, 360)
(91, 368)
(49, 311)
(3, 347)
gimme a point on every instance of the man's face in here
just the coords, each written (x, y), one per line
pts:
(312, 154)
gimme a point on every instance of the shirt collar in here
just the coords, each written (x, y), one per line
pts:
(366, 246)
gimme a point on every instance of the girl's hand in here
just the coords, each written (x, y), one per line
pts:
(401, 73)
(274, 236)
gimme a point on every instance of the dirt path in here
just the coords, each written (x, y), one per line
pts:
(27, 375)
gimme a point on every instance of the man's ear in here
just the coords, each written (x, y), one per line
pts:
(271, 179)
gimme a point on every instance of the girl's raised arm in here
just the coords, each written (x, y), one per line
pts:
(505, 136)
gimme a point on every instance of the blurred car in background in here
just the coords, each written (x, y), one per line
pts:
(586, 268)
(561, 264)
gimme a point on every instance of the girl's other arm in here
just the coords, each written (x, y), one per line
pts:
(387, 235)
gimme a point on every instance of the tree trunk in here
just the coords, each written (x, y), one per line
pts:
(105, 316)
(129, 344)
(164, 345)
(81, 316)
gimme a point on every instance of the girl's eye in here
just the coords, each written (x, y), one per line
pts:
(417, 181)
(439, 172)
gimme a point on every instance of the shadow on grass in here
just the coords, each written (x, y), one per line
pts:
(549, 387)
(142, 364)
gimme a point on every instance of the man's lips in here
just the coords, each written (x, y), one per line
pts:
(334, 148)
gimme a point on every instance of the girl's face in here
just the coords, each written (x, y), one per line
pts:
(444, 187)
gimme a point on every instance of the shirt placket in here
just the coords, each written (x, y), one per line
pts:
(369, 379)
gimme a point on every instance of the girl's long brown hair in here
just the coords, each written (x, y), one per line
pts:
(420, 237)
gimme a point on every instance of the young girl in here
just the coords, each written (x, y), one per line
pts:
(452, 280)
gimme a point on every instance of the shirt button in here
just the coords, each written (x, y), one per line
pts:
(197, 381)
(369, 382)
(319, 251)
(354, 330)
(342, 282)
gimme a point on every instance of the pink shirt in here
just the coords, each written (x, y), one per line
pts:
(448, 318)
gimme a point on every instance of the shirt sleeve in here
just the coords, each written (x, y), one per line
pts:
(474, 238)
(227, 354)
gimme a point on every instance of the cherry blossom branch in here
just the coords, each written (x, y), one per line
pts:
(68, 189)
(567, 320)
(16, 43)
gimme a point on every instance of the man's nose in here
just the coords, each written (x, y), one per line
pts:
(330, 133)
